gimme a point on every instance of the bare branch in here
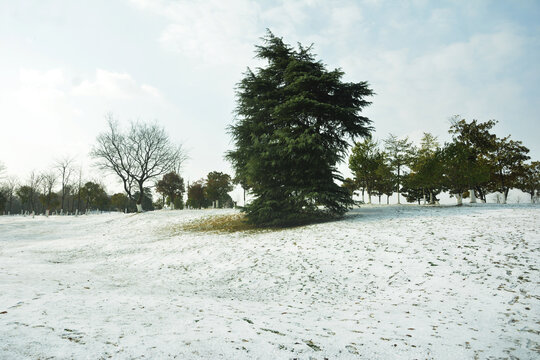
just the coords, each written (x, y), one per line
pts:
(143, 153)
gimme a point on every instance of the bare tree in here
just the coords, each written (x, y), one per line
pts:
(27, 192)
(78, 186)
(2, 170)
(9, 187)
(65, 167)
(48, 181)
(143, 153)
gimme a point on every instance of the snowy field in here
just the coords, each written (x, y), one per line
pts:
(388, 282)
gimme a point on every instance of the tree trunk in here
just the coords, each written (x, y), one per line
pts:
(369, 196)
(140, 199)
(363, 195)
(459, 198)
(379, 199)
(473, 196)
(431, 201)
(505, 195)
(387, 199)
(398, 171)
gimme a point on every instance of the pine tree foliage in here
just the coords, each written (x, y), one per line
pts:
(293, 122)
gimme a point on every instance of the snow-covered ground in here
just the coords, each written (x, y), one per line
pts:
(388, 282)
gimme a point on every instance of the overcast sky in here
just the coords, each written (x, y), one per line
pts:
(65, 64)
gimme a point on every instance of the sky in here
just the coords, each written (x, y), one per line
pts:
(65, 64)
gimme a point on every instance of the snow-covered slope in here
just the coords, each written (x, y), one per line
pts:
(387, 282)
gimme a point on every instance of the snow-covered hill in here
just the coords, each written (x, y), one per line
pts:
(387, 282)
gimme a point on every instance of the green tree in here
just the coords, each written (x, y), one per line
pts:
(25, 194)
(293, 121)
(507, 164)
(94, 196)
(427, 166)
(350, 185)
(197, 195)
(481, 143)
(364, 161)
(119, 201)
(461, 171)
(3, 200)
(385, 180)
(399, 154)
(218, 186)
(172, 187)
(411, 188)
(146, 202)
(529, 181)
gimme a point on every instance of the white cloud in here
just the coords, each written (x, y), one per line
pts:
(114, 85)
(47, 116)
(214, 32)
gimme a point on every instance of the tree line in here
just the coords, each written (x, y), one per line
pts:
(64, 190)
(474, 163)
(294, 123)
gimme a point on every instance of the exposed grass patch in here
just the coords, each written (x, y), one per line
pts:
(238, 223)
(220, 223)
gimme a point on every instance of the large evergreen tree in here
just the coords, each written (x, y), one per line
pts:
(293, 121)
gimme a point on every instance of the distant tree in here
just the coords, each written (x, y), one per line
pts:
(3, 200)
(350, 185)
(25, 194)
(28, 193)
(364, 161)
(196, 195)
(399, 154)
(218, 186)
(412, 189)
(529, 181)
(147, 200)
(65, 169)
(293, 121)
(8, 189)
(461, 171)
(119, 202)
(48, 198)
(77, 189)
(171, 186)
(480, 142)
(94, 196)
(385, 180)
(508, 165)
(143, 153)
(427, 166)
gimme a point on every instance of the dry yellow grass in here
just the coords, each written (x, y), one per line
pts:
(221, 223)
